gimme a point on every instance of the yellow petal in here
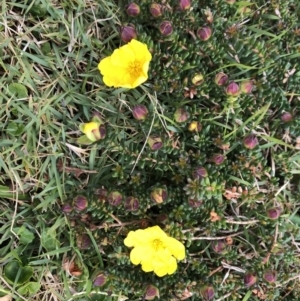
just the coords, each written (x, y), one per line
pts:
(137, 238)
(141, 254)
(140, 50)
(163, 263)
(175, 247)
(172, 265)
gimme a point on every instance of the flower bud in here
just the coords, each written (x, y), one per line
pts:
(233, 89)
(208, 16)
(155, 142)
(139, 112)
(159, 195)
(115, 198)
(270, 276)
(204, 33)
(132, 204)
(197, 79)
(194, 203)
(250, 141)
(221, 79)
(83, 241)
(128, 33)
(100, 280)
(219, 246)
(93, 130)
(246, 86)
(80, 202)
(156, 10)
(67, 208)
(132, 9)
(195, 126)
(181, 115)
(274, 213)
(200, 172)
(166, 28)
(151, 292)
(101, 194)
(286, 117)
(249, 279)
(218, 159)
(184, 4)
(207, 293)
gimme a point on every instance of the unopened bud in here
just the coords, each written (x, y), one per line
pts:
(132, 9)
(83, 241)
(67, 208)
(204, 33)
(101, 194)
(219, 246)
(233, 89)
(166, 28)
(197, 79)
(250, 141)
(200, 172)
(128, 33)
(155, 142)
(80, 203)
(159, 195)
(274, 213)
(246, 86)
(140, 112)
(132, 204)
(286, 117)
(195, 126)
(208, 16)
(207, 293)
(100, 280)
(249, 279)
(151, 292)
(221, 79)
(115, 198)
(184, 4)
(218, 159)
(194, 203)
(156, 10)
(270, 276)
(181, 115)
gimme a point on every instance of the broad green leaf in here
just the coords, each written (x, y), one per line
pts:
(18, 89)
(48, 240)
(29, 288)
(15, 273)
(14, 129)
(26, 237)
(84, 140)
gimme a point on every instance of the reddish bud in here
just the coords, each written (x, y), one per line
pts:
(100, 280)
(80, 203)
(151, 292)
(67, 208)
(166, 28)
(221, 79)
(139, 112)
(132, 9)
(181, 115)
(184, 4)
(83, 241)
(200, 172)
(194, 203)
(249, 279)
(250, 141)
(156, 10)
(132, 204)
(115, 198)
(207, 293)
(101, 194)
(233, 89)
(128, 33)
(246, 86)
(286, 117)
(208, 16)
(218, 159)
(270, 276)
(159, 195)
(155, 142)
(274, 213)
(204, 33)
(219, 246)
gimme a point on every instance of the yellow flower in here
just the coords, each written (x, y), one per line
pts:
(154, 250)
(127, 67)
(94, 130)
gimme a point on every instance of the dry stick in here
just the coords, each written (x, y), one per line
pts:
(241, 222)
(216, 238)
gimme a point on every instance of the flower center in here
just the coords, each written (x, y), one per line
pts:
(157, 244)
(134, 68)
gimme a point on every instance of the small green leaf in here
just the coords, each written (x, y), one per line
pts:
(15, 273)
(48, 240)
(26, 237)
(29, 288)
(18, 89)
(84, 140)
(14, 129)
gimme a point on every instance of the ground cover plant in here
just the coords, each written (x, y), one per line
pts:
(177, 179)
